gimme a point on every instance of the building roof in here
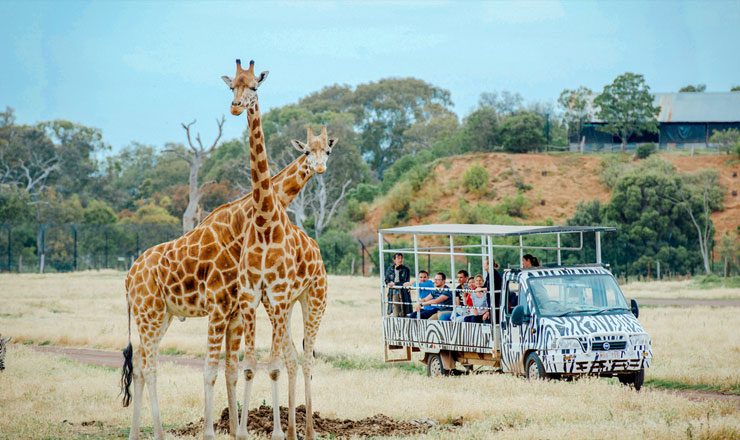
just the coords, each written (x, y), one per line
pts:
(492, 230)
(693, 107)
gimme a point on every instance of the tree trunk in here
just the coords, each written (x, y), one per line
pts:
(190, 217)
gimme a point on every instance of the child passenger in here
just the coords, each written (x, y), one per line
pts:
(479, 312)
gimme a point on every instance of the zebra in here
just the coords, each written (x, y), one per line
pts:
(3, 343)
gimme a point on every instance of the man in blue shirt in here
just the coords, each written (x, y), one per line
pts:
(439, 299)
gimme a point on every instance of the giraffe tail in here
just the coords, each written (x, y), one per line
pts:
(127, 373)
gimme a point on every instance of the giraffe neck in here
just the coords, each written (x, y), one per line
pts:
(263, 196)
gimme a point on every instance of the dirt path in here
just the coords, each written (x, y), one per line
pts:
(689, 302)
(114, 359)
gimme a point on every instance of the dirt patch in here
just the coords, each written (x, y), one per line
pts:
(260, 422)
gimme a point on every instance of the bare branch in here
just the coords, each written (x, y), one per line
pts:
(220, 131)
(179, 154)
(187, 131)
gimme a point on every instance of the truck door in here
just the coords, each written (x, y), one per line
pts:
(511, 336)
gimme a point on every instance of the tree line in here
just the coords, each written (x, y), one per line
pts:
(60, 172)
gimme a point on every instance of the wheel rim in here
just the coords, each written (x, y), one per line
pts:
(435, 367)
(533, 371)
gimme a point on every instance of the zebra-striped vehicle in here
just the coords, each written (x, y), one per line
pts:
(549, 321)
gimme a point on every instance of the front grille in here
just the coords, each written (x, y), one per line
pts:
(613, 345)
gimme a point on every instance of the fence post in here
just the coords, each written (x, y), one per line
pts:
(74, 233)
(105, 249)
(9, 244)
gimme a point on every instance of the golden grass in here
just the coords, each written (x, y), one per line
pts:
(676, 289)
(695, 345)
(41, 391)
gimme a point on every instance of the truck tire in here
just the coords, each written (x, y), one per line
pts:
(635, 379)
(534, 368)
(435, 367)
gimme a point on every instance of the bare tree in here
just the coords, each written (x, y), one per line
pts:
(195, 156)
(702, 189)
(323, 206)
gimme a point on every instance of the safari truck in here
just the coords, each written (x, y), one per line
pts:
(551, 321)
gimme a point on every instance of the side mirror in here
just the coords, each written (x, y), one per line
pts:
(518, 317)
(635, 308)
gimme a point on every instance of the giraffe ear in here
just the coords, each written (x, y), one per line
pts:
(332, 143)
(262, 77)
(300, 146)
(227, 80)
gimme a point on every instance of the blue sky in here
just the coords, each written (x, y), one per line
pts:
(136, 70)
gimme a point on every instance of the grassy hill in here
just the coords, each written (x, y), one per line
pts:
(550, 186)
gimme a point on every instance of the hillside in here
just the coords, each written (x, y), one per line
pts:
(558, 183)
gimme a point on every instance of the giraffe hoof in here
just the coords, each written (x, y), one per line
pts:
(241, 434)
(209, 436)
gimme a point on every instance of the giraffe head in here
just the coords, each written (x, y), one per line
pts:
(318, 149)
(244, 85)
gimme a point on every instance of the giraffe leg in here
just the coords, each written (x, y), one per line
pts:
(291, 366)
(250, 368)
(138, 394)
(150, 347)
(216, 328)
(279, 339)
(233, 340)
(312, 313)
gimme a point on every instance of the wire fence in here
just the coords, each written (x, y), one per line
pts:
(49, 247)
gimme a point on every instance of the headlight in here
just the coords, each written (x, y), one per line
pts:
(568, 344)
(641, 339)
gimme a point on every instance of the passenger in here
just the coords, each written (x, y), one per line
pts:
(460, 297)
(497, 281)
(440, 299)
(530, 260)
(481, 304)
(423, 285)
(397, 275)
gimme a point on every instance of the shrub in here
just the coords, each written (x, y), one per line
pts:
(519, 183)
(356, 211)
(645, 150)
(475, 179)
(421, 207)
(515, 206)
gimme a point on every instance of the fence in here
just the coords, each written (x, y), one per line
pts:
(28, 247)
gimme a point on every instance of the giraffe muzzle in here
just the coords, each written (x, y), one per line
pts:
(236, 110)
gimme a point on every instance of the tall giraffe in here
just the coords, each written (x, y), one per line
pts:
(195, 275)
(279, 265)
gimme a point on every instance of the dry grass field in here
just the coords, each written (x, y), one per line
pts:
(46, 396)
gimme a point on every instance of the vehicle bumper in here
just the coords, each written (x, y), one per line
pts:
(596, 362)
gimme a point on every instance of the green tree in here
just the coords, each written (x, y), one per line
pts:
(726, 140)
(505, 103)
(576, 108)
(626, 107)
(522, 133)
(98, 212)
(386, 109)
(693, 88)
(735, 89)
(481, 130)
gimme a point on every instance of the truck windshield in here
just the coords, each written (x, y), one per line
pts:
(576, 294)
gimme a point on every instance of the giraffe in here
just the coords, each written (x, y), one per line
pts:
(3, 345)
(195, 275)
(279, 265)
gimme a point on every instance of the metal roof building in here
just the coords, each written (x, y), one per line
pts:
(684, 119)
